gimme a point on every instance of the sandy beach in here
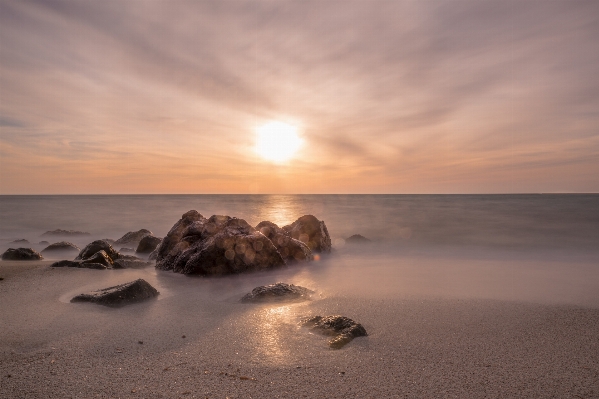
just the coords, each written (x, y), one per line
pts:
(198, 341)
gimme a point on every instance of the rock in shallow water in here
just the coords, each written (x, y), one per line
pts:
(133, 236)
(148, 244)
(342, 328)
(223, 245)
(120, 295)
(62, 246)
(96, 246)
(21, 254)
(218, 245)
(279, 292)
(357, 239)
(66, 233)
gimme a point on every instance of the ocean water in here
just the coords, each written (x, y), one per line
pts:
(567, 222)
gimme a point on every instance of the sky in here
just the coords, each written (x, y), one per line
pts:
(455, 96)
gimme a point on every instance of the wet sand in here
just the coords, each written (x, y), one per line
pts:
(198, 341)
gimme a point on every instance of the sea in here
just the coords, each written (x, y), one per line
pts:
(533, 248)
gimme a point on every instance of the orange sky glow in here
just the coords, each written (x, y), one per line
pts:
(387, 97)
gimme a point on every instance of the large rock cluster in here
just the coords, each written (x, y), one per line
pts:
(222, 245)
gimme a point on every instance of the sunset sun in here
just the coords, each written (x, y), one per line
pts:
(277, 141)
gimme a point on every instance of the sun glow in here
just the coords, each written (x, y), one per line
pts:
(277, 141)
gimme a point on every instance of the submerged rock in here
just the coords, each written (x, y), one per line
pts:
(66, 233)
(79, 264)
(357, 239)
(133, 236)
(148, 244)
(44, 243)
(279, 292)
(216, 246)
(21, 254)
(120, 295)
(310, 231)
(342, 328)
(21, 241)
(96, 246)
(130, 262)
(62, 247)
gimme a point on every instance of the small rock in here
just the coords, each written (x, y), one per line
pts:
(44, 243)
(148, 244)
(21, 254)
(66, 233)
(357, 239)
(342, 328)
(62, 246)
(22, 241)
(279, 292)
(310, 231)
(133, 236)
(120, 295)
(79, 264)
(97, 246)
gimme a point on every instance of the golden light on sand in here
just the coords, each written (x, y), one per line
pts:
(277, 141)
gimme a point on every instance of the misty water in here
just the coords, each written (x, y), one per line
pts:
(540, 248)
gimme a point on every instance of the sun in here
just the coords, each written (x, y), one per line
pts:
(277, 141)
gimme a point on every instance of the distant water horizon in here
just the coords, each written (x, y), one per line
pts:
(501, 221)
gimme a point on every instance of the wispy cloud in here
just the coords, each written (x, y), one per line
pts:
(405, 96)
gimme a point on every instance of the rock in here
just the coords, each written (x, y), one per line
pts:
(79, 264)
(154, 254)
(44, 243)
(133, 236)
(100, 257)
(22, 241)
(109, 240)
(357, 239)
(21, 254)
(66, 233)
(120, 295)
(130, 262)
(290, 249)
(148, 244)
(216, 246)
(62, 246)
(279, 292)
(310, 231)
(97, 246)
(342, 328)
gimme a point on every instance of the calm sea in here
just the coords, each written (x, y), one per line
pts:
(519, 222)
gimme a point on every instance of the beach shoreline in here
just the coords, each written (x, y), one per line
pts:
(198, 341)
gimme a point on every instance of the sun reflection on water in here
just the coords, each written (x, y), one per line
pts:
(280, 209)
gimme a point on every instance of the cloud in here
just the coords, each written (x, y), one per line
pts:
(397, 91)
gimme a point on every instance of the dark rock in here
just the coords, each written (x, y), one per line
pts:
(66, 233)
(79, 264)
(215, 246)
(289, 248)
(22, 241)
(62, 246)
(279, 292)
(148, 244)
(124, 249)
(97, 246)
(44, 243)
(133, 236)
(21, 254)
(342, 328)
(310, 231)
(130, 262)
(100, 257)
(109, 240)
(120, 295)
(357, 239)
